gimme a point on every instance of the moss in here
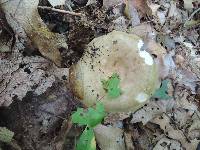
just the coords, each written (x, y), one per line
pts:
(6, 135)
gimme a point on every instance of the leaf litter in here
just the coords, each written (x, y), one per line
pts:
(159, 124)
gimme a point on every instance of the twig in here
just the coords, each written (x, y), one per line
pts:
(187, 139)
(191, 16)
(61, 11)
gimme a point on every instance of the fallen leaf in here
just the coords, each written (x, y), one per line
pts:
(144, 31)
(182, 101)
(140, 5)
(165, 143)
(109, 138)
(6, 34)
(187, 78)
(166, 41)
(24, 14)
(194, 129)
(151, 110)
(172, 130)
(154, 8)
(132, 14)
(174, 13)
(161, 17)
(19, 74)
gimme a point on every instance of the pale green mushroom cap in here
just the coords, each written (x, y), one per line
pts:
(116, 52)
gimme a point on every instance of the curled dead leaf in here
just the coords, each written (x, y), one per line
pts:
(24, 14)
(140, 5)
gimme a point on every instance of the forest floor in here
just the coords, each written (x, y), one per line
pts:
(36, 100)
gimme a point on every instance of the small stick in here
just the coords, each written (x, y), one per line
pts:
(61, 11)
(191, 16)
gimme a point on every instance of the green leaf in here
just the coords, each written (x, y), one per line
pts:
(111, 86)
(161, 93)
(86, 140)
(91, 117)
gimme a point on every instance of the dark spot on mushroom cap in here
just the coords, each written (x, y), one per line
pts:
(22, 65)
(64, 77)
(27, 70)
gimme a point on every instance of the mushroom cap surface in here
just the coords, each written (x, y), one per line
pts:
(121, 53)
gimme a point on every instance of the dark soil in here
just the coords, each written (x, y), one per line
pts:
(36, 121)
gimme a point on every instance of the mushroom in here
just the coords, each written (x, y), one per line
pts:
(120, 53)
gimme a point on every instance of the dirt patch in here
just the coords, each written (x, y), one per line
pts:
(37, 120)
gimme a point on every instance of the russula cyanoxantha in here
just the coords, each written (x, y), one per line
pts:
(121, 53)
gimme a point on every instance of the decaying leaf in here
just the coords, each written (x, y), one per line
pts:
(5, 43)
(109, 138)
(140, 5)
(25, 14)
(18, 75)
(132, 13)
(187, 78)
(174, 130)
(6, 35)
(161, 17)
(194, 129)
(144, 30)
(182, 101)
(154, 8)
(165, 143)
(151, 110)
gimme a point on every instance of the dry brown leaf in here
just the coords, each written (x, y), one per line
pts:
(187, 78)
(109, 138)
(128, 141)
(154, 8)
(183, 102)
(165, 144)
(140, 5)
(24, 14)
(151, 110)
(6, 35)
(173, 131)
(194, 129)
(144, 31)
(19, 74)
